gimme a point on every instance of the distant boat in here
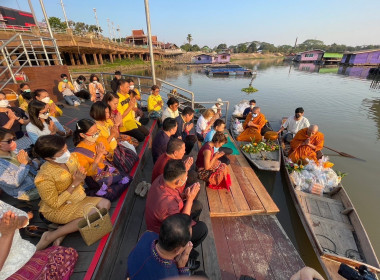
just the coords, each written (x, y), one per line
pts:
(230, 69)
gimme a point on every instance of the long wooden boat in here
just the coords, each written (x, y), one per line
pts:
(333, 227)
(265, 160)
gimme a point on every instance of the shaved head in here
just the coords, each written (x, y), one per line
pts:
(313, 129)
(256, 110)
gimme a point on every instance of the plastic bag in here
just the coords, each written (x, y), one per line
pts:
(239, 108)
(237, 127)
(127, 145)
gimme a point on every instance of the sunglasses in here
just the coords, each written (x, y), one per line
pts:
(9, 141)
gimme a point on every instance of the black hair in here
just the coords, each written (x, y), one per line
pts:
(172, 101)
(252, 101)
(132, 93)
(81, 78)
(117, 73)
(173, 169)
(48, 145)
(26, 95)
(174, 144)
(218, 122)
(34, 109)
(92, 78)
(5, 131)
(299, 110)
(23, 84)
(109, 96)
(37, 92)
(64, 75)
(154, 87)
(175, 232)
(219, 137)
(121, 82)
(98, 111)
(168, 124)
(187, 111)
(82, 126)
(130, 80)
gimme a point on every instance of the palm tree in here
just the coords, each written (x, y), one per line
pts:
(189, 38)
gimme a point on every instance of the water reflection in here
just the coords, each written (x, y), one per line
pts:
(373, 106)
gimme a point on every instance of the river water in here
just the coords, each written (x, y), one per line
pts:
(343, 104)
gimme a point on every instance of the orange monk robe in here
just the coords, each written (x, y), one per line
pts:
(250, 132)
(302, 152)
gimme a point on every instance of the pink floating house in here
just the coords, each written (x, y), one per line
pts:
(309, 56)
(222, 58)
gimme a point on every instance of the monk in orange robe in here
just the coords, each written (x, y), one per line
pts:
(306, 145)
(253, 124)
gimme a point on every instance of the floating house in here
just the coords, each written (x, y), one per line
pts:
(309, 56)
(138, 38)
(222, 58)
(331, 58)
(202, 59)
(211, 59)
(365, 58)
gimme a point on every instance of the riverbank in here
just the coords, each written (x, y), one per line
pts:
(247, 56)
(121, 65)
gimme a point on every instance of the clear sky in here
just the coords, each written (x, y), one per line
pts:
(211, 22)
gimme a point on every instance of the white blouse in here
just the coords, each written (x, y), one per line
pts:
(21, 250)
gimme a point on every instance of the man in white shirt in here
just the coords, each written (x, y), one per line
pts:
(217, 108)
(293, 124)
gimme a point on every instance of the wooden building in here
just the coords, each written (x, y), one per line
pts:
(365, 57)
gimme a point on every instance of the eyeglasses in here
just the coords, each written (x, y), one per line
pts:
(96, 134)
(10, 140)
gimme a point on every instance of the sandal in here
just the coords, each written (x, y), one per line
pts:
(140, 187)
(145, 189)
(34, 231)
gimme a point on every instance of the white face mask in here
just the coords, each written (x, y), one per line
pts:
(63, 158)
(252, 106)
(44, 116)
(132, 87)
(254, 115)
(46, 99)
(4, 103)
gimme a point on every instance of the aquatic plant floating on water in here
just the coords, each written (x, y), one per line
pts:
(249, 89)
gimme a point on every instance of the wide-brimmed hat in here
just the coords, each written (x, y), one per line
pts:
(219, 101)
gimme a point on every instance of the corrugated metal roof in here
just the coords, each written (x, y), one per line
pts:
(332, 55)
(363, 51)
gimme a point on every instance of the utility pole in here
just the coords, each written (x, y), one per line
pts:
(109, 28)
(33, 13)
(97, 22)
(113, 32)
(295, 44)
(150, 40)
(50, 32)
(118, 30)
(64, 14)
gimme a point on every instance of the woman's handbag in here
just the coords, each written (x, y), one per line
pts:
(94, 226)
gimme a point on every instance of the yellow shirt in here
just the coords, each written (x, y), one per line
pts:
(52, 182)
(129, 122)
(152, 101)
(105, 131)
(61, 83)
(137, 91)
(58, 111)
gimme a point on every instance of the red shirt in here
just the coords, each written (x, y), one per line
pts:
(200, 163)
(162, 202)
(159, 166)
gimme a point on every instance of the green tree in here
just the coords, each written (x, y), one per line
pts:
(56, 23)
(195, 48)
(241, 48)
(267, 47)
(205, 49)
(186, 47)
(284, 49)
(221, 46)
(93, 28)
(189, 38)
(252, 48)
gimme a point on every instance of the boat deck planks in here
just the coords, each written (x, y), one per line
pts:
(254, 246)
(247, 195)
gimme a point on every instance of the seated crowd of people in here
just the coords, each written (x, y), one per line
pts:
(36, 164)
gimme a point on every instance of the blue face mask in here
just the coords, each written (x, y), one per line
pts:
(216, 150)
